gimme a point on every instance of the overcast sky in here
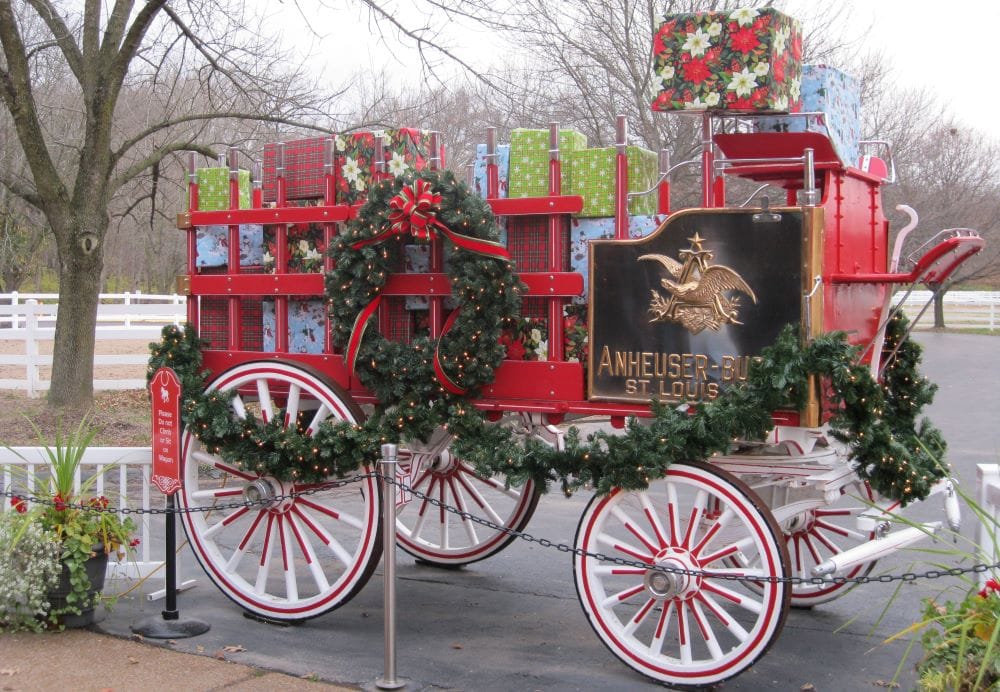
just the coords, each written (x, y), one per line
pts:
(948, 51)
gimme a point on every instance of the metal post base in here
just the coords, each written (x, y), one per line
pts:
(161, 628)
(394, 684)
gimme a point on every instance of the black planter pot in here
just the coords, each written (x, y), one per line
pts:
(96, 568)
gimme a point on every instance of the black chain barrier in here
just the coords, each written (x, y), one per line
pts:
(524, 536)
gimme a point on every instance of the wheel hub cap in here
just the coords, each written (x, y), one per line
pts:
(264, 493)
(663, 585)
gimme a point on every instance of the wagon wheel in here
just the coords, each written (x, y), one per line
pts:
(295, 558)
(815, 535)
(682, 629)
(432, 534)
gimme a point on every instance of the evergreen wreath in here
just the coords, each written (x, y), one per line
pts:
(483, 284)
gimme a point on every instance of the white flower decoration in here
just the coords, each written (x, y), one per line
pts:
(397, 164)
(351, 170)
(695, 105)
(794, 89)
(743, 82)
(744, 16)
(303, 245)
(667, 73)
(712, 100)
(536, 335)
(780, 38)
(761, 68)
(697, 43)
(714, 29)
(313, 254)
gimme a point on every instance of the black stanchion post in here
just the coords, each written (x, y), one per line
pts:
(165, 390)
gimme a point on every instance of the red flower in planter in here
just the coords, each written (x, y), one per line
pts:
(19, 504)
(991, 586)
(58, 502)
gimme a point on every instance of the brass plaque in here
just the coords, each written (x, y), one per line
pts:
(678, 315)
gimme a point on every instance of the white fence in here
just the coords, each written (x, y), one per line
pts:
(122, 475)
(31, 318)
(988, 480)
(962, 309)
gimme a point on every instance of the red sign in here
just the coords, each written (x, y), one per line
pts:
(165, 392)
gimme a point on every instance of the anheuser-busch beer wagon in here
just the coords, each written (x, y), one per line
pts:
(759, 392)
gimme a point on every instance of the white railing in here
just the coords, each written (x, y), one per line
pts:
(122, 475)
(962, 309)
(120, 316)
(988, 480)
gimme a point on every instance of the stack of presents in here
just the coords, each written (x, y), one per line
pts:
(745, 61)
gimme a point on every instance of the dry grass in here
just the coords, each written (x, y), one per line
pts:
(121, 418)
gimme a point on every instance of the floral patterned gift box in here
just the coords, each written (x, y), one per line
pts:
(592, 176)
(213, 189)
(747, 60)
(404, 150)
(212, 244)
(306, 248)
(479, 170)
(529, 160)
(837, 96)
(306, 325)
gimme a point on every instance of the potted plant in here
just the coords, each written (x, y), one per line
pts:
(64, 512)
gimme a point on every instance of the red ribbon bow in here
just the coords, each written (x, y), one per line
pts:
(413, 210)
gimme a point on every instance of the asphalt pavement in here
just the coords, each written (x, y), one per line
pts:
(513, 622)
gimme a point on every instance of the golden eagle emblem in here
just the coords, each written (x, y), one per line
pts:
(697, 290)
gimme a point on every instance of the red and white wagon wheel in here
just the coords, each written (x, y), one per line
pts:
(683, 629)
(432, 534)
(294, 558)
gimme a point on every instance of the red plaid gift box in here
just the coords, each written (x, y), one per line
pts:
(528, 243)
(213, 323)
(303, 169)
(404, 150)
(395, 321)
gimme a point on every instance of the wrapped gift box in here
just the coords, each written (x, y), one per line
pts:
(404, 150)
(837, 96)
(479, 170)
(212, 244)
(304, 175)
(746, 60)
(527, 339)
(529, 160)
(306, 248)
(583, 231)
(528, 243)
(306, 325)
(213, 189)
(592, 176)
(213, 323)
(575, 335)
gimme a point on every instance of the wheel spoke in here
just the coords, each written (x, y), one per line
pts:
(683, 634)
(265, 558)
(226, 521)
(292, 405)
(287, 561)
(640, 616)
(264, 399)
(322, 413)
(623, 595)
(470, 529)
(743, 600)
(331, 542)
(653, 519)
(633, 529)
(491, 513)
(707, 633)
(622, 547)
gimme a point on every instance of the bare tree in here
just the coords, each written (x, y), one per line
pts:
(71, 73)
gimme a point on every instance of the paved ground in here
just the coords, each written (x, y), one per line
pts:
(514, 622)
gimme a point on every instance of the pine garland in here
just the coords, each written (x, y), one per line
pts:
(892, 450)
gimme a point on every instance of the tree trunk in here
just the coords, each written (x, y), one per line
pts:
(80, 264)
(939, 310)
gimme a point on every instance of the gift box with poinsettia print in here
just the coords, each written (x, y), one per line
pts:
(746, 60)
(404, 150)
(592, 176)
(503, 170)
(306, 247)
(304, 174)
(582, 231)
(212, 245)
(306, 325)
(213, 189)
(529, 160)
(527, 338)
(837, 96)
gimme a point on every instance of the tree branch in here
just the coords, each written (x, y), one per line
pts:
(163, 125)
(154, 158)
(61, 34)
